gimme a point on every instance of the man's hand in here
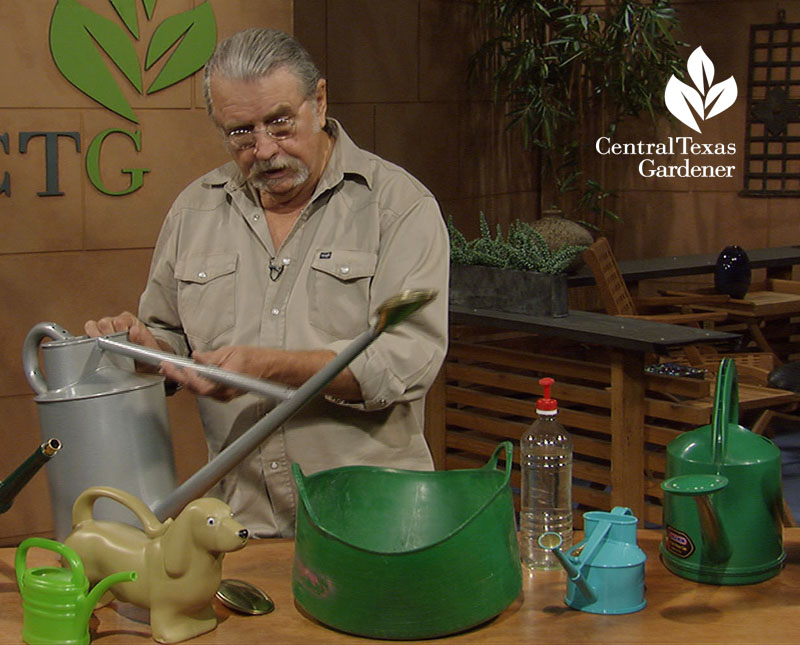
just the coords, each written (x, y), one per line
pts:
(287, 367)
(233, 358)
(137, 333)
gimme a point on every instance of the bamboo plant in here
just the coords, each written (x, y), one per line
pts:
(562, 65)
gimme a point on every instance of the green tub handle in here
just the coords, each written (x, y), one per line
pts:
(508, 448)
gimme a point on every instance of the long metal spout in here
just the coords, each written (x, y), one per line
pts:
(390, 313)
(15, 482)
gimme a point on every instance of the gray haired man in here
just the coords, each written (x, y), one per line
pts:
(272, 263)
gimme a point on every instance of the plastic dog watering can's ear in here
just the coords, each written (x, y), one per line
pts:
(175, 545)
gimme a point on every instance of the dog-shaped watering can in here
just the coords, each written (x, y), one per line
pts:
(113, 420)
(178, 563)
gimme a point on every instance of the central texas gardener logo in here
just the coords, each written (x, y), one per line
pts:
(703, 101)
(83, 42)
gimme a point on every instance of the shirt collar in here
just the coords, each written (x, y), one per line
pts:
(346, 159)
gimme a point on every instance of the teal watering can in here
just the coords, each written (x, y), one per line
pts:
(723, 498)
(56, 601)
(605, 570)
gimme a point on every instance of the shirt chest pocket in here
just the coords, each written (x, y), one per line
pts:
(338, 289)
(207, 295)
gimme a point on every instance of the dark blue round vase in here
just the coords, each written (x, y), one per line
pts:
(732, 273)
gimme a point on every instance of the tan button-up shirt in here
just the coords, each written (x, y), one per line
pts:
(370, 231)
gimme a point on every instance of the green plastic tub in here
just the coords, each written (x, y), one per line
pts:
(405, 554)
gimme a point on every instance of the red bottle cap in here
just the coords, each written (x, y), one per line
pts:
(546, 404)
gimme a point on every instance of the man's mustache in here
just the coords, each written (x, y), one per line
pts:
(269, 165)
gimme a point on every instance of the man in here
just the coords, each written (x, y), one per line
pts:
(272, 263)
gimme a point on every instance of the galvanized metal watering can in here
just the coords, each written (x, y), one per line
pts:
(113, 420)
(606, 569)
(723, 498)
(56, 601)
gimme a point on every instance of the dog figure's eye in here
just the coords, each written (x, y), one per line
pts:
(211, 521)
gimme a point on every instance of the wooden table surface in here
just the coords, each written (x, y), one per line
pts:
(778, 261)
(615, 332)
(678, 611)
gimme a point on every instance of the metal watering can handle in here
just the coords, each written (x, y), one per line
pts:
(78, 574)
(726, 408)
(30, 352)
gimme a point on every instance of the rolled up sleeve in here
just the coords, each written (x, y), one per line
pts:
(402, 363)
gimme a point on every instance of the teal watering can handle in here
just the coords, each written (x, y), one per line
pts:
(726, 408)
(78, 574)
(492, 463)
(621, 510)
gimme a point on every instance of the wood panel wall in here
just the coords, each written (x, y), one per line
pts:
(397, 74)
(84, 254)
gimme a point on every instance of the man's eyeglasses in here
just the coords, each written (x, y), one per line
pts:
(244, 138)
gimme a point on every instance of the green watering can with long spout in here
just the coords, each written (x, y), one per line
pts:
(723, 498)
(56, 601)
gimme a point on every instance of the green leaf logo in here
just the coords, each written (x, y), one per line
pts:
(195, 33)
(82, 42)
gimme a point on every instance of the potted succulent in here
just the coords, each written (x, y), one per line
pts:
(521, 272)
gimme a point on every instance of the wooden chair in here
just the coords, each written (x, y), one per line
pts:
(617, 300)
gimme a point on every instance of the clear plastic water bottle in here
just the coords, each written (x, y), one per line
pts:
(546, 495)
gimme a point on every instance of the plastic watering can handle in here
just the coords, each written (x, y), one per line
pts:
(726, 408)
(597, 538)
(492, 463)
(30, 352)
(621, 510)
(75, 563)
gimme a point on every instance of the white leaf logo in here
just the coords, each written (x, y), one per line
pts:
(704, 100)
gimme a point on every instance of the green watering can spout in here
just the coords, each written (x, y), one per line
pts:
(715, 540)
(55, 603)
(552, 542)
(101, 587)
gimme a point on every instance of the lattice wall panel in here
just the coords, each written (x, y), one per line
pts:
(772, 144)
